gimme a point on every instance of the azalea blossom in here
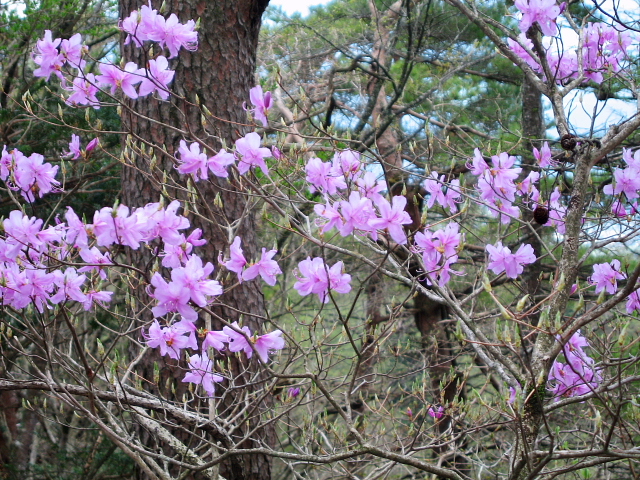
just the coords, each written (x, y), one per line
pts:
(201, 373)
(606, 275)
(265, 267)
(502, 260)
(261, 103)
(252, 154)
(318, 278)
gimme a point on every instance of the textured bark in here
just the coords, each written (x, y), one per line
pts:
(219, 74)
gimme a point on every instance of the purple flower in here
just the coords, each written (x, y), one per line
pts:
(173, 34)
(267, 343)
(48, 57)
(84, 92)
(502, 260)
(544, 12)
(357, 213)
(265, 267)
(633, 302)
(261, 102)
(331, 214)
(446, 195)
(215, 339)
(171, 339)
(319, 279)
(156, 78)
(72, 51)
(200, 373)
(33, 176)
(252, 154)
(192, 161)
(238, 341)
(236, 262)
(543, 155)
(323, 176)
(436, 413)
(293, 393)
(219, 162)
(74, 147)
(392, 217)
(606, 275)
(114, 77)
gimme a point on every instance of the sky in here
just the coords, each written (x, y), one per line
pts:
(292, 6)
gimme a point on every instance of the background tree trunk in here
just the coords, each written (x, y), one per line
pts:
(218, 75)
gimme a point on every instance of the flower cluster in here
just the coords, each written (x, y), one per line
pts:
(174, 338)
(578, 376)
(502, 260)
(626, 183)
(317, 277)
(497, 184)
(28, 175)
(444, 194)
(147, 25)
(603, 50)
(606, 275)
(439, 252)
(358, 213)
(51, 55)
(542, 12)
(265, 267)
(251, 154)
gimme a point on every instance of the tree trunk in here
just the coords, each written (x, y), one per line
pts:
(218, 75)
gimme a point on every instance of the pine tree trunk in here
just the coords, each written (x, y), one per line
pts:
(218, 75)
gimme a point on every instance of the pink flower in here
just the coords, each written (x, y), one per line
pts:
(74, 147)
(319, 279)
(252, 154)
(392, 217)
(543, 155)
(201, 373)
(97, 259)
(219, 162)
(633, 302)
(265, 267)
(236, 261)
(261, 103)
(323, 176)
(97, 297)
(606, 275)
(68, 284)
(84, 92)
(72, 51)
(33, 176)
(156, 78)
(192, 161)
(502, 260)
(192, 279)
(214, 339)
(436, 413)
(173, 34)
(114, 77)
(369, 186)
(171, 297)
(544, 12)
(329, 213)
(357, 212)
(238, 341)
(48, 57)
(268, 342)
(347, 163)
